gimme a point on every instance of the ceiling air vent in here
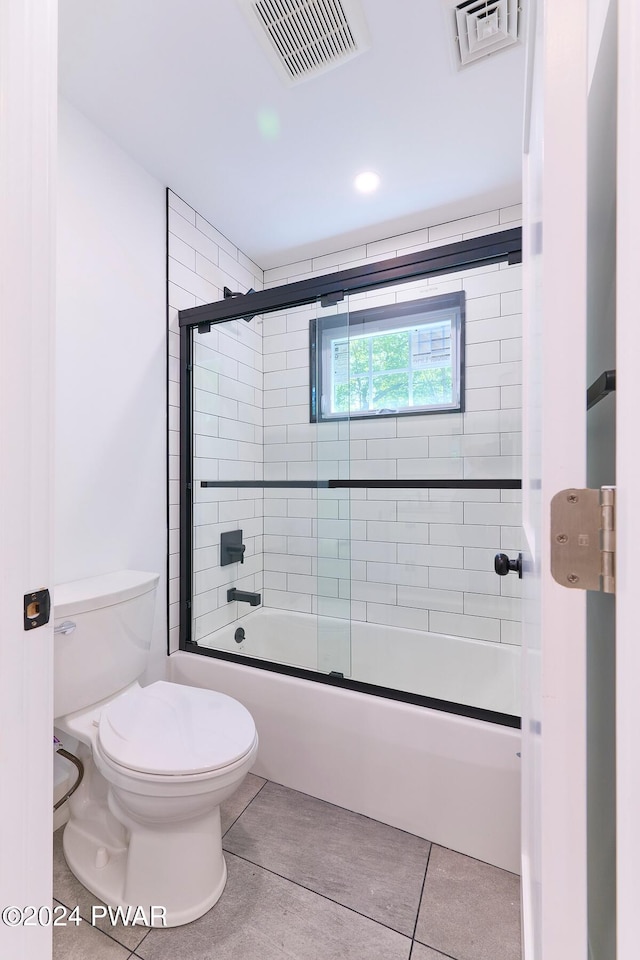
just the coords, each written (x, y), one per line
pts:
(483, 27)
(308, 37)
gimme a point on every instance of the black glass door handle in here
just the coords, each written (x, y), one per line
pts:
(503, 565)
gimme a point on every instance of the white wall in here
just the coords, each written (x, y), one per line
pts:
(111, 406)
(227, 420)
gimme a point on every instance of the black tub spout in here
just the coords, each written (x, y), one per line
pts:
(243, 596)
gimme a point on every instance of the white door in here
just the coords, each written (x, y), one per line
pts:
(28, 100)
(554, 637)
(628, 473)
(569, 739)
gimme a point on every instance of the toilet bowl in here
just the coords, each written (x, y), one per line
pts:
(144, 825)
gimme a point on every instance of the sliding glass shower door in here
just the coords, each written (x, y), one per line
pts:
(431, 488)
(355, 470)
(271, 536)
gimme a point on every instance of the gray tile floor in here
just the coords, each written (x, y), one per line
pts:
(311, 881)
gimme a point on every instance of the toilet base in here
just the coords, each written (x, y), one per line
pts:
(172, 863)
(107, 867)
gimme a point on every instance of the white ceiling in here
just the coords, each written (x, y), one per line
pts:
(185, 87)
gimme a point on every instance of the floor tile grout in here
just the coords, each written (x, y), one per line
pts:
(119, 942)
(446, 956)
(99, 929)
(424, 880)
(245, 808)
(144, 938)
(324, 896)
(469, 857)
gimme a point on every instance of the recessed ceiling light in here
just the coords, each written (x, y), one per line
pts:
(367, 182)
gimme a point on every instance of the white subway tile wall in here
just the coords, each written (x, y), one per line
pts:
(227, 421)
(407, 558)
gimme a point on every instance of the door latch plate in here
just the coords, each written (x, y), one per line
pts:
(37, 609)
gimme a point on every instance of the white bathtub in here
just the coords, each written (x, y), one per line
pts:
(477, 673)
(449, 779)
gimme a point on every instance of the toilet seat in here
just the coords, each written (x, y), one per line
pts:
(170, 730)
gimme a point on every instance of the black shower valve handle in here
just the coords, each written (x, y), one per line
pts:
(240, 548)
(232, 549)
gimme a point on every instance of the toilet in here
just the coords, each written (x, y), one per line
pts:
(144, 824)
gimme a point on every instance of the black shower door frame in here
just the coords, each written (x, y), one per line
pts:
(504, 246)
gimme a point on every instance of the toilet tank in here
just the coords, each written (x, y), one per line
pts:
(102, 636)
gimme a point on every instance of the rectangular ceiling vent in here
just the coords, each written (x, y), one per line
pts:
(483, 27)
(308, 37)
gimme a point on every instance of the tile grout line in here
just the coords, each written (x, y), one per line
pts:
(322, 895)
(143, 940)
(99, 929)
(445, 956)
(424, 881)
(477, 860)
(448, 956)
(245, 808)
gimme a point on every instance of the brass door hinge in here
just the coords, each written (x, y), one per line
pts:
(583, 539)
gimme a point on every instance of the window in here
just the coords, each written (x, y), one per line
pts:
(388, 361)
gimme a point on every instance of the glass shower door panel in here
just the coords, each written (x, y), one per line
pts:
(227, 459)
(435, 389)
(332, 450)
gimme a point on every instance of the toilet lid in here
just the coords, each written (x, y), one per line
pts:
(171, 729)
